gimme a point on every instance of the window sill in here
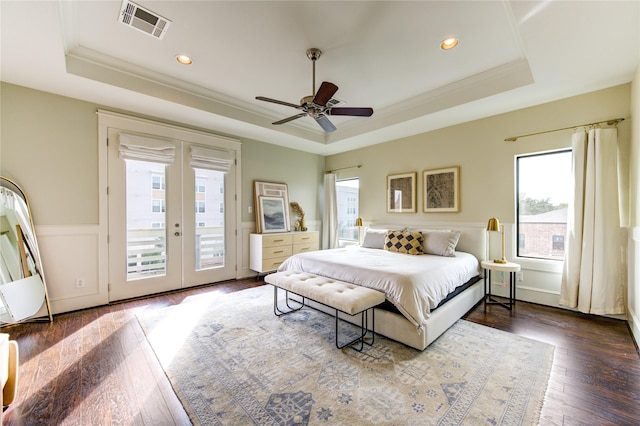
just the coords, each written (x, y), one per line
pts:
(544, 265)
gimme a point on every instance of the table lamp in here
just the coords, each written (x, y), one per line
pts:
(494, 225)
(359, 225)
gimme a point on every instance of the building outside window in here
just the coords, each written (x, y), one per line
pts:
(544, 186)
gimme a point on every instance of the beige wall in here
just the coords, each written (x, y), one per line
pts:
(49, 146)
(302, 172)
(486, 161)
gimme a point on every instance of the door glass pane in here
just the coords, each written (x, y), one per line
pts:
(146, 219)
(347, 197)
(209, 210)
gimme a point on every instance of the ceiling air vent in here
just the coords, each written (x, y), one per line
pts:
(136, 16)
(334, 102)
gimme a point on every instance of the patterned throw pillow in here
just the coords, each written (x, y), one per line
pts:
(403, 242)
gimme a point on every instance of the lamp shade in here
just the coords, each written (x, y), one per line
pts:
(493, 225)
(359, 221)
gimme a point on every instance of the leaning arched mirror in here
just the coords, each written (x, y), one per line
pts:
(23, 292)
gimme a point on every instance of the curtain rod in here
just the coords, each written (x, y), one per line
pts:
(342, 168)
(609, 122)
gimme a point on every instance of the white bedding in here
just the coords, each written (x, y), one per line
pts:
(414, 284)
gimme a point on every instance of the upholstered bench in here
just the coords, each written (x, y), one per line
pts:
(343, 297)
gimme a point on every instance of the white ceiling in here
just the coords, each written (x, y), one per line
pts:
(386, 55)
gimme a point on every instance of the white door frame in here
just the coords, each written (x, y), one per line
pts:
(107, 119)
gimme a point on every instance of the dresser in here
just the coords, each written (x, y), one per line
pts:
(268, 251)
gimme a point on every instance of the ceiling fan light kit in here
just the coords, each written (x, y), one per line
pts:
(320, 105)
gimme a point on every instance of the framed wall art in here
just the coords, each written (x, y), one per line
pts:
(272, 214)
(442, 190)
(401, 193)
(270, 189)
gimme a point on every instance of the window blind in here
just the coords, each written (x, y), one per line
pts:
(211, 159)
(134, 147)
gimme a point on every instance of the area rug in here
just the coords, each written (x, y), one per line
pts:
(232, 362)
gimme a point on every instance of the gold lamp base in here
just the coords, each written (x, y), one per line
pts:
(500, 261)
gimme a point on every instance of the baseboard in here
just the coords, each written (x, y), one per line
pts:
(634, 325)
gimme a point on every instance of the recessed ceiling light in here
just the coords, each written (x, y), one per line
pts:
(449, 43)
(184, 59)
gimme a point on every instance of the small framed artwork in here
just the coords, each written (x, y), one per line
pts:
(270, 189)
(442, 190)
(272, 214)
(401, 193)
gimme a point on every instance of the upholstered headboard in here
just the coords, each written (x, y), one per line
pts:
(473, 237)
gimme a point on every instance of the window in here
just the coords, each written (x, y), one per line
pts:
(157, 206)
(347, 197)
(544, 184)
(200, 206)
(558, 242)
(157, 181)
(201, 185)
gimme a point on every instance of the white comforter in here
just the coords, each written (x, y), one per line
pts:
(414, 284)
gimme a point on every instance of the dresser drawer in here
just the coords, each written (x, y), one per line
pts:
(303, 248)
(305, 238)
(276, 240)
(277, 251)
(272, 264)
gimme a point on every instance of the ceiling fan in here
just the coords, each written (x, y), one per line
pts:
(318, 106)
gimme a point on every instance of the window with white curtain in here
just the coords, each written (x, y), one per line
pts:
(544, 186)
(347, 198)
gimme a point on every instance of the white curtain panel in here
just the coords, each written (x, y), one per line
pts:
(330, 219)
(592, 279)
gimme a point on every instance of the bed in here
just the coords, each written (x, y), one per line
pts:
(426, 293)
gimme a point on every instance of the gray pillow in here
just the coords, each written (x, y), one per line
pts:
(374, 238)
(441, 243)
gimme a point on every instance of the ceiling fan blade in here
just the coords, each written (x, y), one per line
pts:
(324, 122)
(356, 112)
(288, 119)
(325, 92)
(275, 101)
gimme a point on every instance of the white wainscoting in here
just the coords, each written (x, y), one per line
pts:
(69, 254)
(633, 301)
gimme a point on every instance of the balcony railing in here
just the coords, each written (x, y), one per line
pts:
(147, 254)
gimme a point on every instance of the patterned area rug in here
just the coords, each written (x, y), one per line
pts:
(232, 362)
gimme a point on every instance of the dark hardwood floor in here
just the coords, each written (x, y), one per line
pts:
(95, 367)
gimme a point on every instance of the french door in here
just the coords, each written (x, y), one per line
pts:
(172, 215)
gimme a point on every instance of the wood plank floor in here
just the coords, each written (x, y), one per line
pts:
(95, 367)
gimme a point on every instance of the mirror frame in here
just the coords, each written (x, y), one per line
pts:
(13, 186)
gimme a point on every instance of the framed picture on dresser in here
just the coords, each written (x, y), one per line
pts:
(272, 217)
(270, 189)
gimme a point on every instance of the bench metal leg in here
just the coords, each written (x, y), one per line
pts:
(363, 331)
(276, 309)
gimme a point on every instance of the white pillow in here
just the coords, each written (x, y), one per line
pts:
(441, 243)
(374, 238)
